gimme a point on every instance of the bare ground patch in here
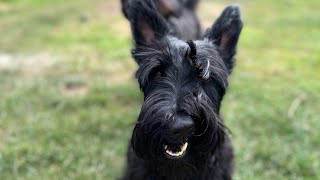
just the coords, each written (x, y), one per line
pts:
(79, 90)
(28, 64)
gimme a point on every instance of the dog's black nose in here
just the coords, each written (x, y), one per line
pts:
(182, 127)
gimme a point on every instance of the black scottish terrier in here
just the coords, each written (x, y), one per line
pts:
(179, 133)
(180, 15)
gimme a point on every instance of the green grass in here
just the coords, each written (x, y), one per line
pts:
(69, 100)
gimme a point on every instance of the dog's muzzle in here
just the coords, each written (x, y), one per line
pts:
(181, 128)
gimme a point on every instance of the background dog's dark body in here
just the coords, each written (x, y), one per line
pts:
(183, 85)
(180, 15)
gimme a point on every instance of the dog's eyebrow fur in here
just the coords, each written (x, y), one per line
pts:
(192, 51)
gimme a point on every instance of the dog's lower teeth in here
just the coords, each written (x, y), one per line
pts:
(183, 148)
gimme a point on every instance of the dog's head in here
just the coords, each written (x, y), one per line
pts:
(183, 85)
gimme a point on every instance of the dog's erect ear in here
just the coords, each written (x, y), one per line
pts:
(146, 23)
(125, 4)
(225, 34)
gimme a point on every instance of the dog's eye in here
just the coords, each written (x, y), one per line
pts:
(158, 74)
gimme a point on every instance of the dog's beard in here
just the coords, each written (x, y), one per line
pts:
(150, 136)
(188, 166)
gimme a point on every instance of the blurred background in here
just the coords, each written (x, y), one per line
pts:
(68, 98)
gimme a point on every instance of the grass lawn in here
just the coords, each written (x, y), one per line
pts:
(69, 99)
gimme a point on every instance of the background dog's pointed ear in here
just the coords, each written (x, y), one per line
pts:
(225, 34)
(146, 23)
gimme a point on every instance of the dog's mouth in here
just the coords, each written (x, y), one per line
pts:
(176, 151)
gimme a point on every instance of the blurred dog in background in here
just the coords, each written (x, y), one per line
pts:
(180, 15)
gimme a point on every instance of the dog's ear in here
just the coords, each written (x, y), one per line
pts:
(125, 5)
(146, 23)
(225, 32)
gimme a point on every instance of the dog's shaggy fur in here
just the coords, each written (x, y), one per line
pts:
(183, 85)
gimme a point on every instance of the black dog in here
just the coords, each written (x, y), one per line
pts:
(179, 133)
(180, 15)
